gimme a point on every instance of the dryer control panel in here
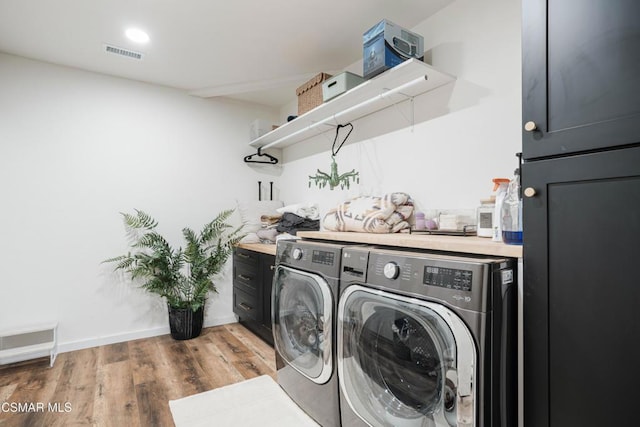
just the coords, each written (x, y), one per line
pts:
(316, 257)
(323, 257)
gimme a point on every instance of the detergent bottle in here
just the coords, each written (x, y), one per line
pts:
(500, 186)
(511, 216)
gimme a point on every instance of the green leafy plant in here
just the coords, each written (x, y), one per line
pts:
(183, 276)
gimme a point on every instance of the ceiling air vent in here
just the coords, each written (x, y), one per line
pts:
(122, 52)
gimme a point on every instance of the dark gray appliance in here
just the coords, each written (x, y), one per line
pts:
(426, 339)
(581, 181)
(305, 289)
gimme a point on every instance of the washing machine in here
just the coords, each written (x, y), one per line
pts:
(427, 339)
(304, 304)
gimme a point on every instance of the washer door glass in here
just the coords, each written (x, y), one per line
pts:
(397, 359)
(302, 322)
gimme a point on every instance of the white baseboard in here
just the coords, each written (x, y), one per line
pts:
(217, 321)
(129, 336)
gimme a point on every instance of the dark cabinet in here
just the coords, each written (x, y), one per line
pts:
(252, 277)
(581, 75)
(581, 216)
(268, 266)
(582, 290)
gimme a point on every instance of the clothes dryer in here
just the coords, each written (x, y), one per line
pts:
(426, 339)
(304, 304)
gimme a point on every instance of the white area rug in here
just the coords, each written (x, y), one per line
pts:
(258, 402)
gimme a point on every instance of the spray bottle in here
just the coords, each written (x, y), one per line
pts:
(500, 186)
(511, 216)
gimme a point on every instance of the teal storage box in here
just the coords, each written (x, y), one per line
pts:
(386, 45)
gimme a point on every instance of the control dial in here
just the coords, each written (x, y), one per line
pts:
(391, 270)
(297, 253)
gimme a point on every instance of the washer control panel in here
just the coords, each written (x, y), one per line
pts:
(450, 278)
(422, 271)
(391, 270)
(461, 281)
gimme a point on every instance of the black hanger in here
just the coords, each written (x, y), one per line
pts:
(334, 150)
(251, 158)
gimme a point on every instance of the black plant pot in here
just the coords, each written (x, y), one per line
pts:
(185, 323)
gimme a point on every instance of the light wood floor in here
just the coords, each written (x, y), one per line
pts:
(130, 384)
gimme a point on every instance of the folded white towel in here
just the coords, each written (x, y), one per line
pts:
(305, 210)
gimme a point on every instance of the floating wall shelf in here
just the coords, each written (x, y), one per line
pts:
(405, 81)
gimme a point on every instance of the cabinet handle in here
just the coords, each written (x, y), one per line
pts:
(272, 267)
(241, 255)
(245, 307)
(529, 191)
(243, 277)
(530, 126)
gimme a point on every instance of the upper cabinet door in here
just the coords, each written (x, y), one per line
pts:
(581, 75)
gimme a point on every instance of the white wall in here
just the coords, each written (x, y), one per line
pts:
(77, 148)
(73, 143)
(470, 130)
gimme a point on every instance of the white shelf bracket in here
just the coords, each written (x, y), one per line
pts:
(413, 113)
(396, 105)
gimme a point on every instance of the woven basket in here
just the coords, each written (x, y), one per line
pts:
(310, 93)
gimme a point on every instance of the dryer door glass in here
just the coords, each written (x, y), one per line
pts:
(302, 322)
(397, 360)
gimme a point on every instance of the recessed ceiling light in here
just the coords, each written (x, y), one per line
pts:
(137, 35)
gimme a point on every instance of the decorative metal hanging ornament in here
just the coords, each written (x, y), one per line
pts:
(321, 179)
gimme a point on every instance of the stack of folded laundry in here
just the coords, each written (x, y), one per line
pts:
(288, 221)
(268, 232)
(390, 213)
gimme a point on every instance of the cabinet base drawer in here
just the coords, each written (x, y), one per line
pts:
(247, 257)
(246, 305)
(246, 278)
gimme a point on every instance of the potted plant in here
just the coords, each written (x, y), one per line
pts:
(183, 276)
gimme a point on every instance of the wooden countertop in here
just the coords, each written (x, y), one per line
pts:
(470, 245)
(259, 247)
